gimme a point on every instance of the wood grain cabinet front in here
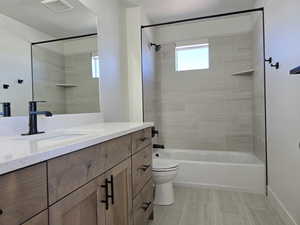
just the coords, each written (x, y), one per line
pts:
(23, 194)
(84, 206)
(117, 150)
(141, 169)
(69, 172)
(41, 219)
(143, 205)
(120, 205)
(141, 139)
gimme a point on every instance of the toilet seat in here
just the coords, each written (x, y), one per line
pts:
(164, 165)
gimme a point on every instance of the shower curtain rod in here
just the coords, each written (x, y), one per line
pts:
(64, 39)
(203, 17)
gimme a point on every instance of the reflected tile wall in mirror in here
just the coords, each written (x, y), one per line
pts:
(64, 75)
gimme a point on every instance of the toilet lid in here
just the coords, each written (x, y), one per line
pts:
(164, 164)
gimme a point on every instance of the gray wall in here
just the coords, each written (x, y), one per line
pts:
(283, 105)
(85, 97)
(49, 70)
(114, 86)
(149, 80)
(258, 90)
(207, 109)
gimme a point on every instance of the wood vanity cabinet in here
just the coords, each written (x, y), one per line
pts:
(106, 184)
(106, 200)
(141, 139)
(143, 206)
(23, 194)
(82, 207)
(120, 203)
(141, 169)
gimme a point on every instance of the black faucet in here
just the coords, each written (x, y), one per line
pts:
(5, 109)
(33, 117)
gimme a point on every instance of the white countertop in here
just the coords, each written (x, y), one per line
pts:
(22, 151)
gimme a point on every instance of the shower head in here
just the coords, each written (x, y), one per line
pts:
(157, 47)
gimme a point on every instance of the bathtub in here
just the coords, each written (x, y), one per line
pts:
(218, 169)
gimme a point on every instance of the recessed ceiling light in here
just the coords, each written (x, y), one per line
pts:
(57, 6)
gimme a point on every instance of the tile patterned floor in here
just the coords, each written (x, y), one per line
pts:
(195, 206)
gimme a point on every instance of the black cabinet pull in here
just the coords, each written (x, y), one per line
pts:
(1, 211)
(105, 186)
(145, 167)
(112, 194)
(154, 132)
(143, 139)
(146, 205)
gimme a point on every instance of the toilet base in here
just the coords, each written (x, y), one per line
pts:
(164, 194)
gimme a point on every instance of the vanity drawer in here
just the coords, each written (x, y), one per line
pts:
(23, 194)
(117, 150)
(141, 169)
(141, 139)
(143, 205)
(41, 219)
(69, 172)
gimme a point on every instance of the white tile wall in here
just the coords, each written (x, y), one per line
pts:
(207, 109)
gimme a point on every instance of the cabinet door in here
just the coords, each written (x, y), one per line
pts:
(143, 205)
(23, 194)
(82, 207)
(120, 207)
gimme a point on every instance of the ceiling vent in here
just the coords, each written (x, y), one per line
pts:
(57, 6)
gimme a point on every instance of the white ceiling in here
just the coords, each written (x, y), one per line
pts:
(77, 21)
(167, 10)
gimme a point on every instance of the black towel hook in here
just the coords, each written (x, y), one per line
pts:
(269, 60)
(276, 65)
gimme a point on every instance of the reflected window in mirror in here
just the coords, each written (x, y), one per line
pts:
(95, 66)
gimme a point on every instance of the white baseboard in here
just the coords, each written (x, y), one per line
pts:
(216, 187)
(280, 208)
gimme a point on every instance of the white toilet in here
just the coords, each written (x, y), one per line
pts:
(164, 172)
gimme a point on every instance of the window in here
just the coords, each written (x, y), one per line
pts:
(192, 57)
(95, 66)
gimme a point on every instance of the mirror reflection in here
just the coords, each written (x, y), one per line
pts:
(23, 22)
(66, 75)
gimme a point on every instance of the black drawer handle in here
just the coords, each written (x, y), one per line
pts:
(105, 186)
(146, 205)
(112, 194)
(144, 168)
(1, 212)
(143, 139)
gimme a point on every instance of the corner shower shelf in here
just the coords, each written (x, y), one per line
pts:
(244, 73)
(66, 85)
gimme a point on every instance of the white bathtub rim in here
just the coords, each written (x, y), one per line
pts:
(258, 163)
(219, 163)
(218, 187)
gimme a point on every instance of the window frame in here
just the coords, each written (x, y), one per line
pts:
(188, 46)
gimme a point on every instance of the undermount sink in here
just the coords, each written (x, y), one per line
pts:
(55, 137)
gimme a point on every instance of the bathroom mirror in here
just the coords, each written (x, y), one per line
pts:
(66, 75)
(31, 58)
